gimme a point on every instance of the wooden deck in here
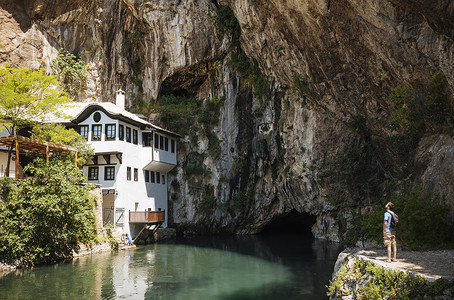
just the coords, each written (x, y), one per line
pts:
(146, 217)
(152, 221)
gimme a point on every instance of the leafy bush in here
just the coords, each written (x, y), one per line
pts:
(208, 201)
(59, 134)
(226, 22)
(378, 283)
(71, 71)
(423, 221)
(45, 217)
(250, 71)
(178, 113)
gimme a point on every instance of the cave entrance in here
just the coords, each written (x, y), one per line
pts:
(292, 223)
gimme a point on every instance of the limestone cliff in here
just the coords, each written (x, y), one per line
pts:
(326, 62)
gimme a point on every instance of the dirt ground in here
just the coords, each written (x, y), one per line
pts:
(430, 264)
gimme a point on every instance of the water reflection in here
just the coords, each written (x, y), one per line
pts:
(257, 267)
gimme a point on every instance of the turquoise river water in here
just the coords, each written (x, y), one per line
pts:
(249, 267)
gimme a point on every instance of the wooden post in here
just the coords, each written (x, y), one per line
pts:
(17, 159)
(75, 162)
(47, 153)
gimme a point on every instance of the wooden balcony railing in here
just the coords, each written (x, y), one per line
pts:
(147, 216)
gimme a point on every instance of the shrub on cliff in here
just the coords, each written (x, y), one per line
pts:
(43, 218)
(423, 221)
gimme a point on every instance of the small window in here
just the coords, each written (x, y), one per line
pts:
(172, 146)
(156, 141)
(161, 142)
(147, 139)
(135, 139)
(93, 173)
(152, 177)
(121, 132)
(83, 131)
(136, 174)
(97, 130)
(97, 117)
(128, 134)
(158, 177)
(163, 179)
(166, 144)
(128, 173)
(109, 173)
(147, 176)
(110, 132)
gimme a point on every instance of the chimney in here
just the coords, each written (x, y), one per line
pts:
(120, 99)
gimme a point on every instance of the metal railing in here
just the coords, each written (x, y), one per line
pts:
(147, 216)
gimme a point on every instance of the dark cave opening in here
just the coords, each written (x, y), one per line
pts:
(292, 223)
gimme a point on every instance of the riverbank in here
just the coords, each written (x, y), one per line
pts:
(351, 277)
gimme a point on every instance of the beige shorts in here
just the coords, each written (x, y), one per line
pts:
(389, 238)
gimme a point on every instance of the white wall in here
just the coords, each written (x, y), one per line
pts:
(3, 163)
(129, 192)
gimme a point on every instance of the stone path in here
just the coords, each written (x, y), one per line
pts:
(430, 264)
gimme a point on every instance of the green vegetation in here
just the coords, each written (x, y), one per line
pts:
(26, 97)
(57, 133)
(249, 71)
(43, 218)
(71, 71)
(227, 23)
(208, 201)
(423, 223)
(377, 283)
(304, 91)
(375, 164)
(416, 113)
(358, 171)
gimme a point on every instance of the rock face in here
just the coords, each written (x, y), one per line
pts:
(276, 150)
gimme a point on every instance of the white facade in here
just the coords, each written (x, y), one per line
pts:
(131, 162)
(4, 158)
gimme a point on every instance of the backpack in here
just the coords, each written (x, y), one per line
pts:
(394, 220)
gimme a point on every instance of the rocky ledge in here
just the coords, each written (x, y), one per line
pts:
(363, 273)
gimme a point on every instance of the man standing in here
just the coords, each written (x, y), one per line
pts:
(389, 234)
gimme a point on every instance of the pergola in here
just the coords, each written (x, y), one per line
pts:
(32, 145)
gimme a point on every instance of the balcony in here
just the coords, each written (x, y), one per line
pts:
(146, 217)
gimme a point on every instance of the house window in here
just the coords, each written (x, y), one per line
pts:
(93, 173)
(110, 132)
(135, 139)
(147, 139)
(152, 177)
(128, 134)
(158, 177)
(136, 174)
(97, 130)
(121, 132)
(166, 144)
(172, 146)
(128, 173)
(161, 142)
(83, 131)
(156, 141)
(163, 179)
(147, 176)
(109, 173)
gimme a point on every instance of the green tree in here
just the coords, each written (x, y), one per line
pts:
(423, 221)
(26, 97)
(58, 134)
(71, 71)
(45, 217)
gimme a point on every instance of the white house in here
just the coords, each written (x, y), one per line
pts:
(131, 162)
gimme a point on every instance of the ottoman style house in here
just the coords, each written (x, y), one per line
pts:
(131, 162)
